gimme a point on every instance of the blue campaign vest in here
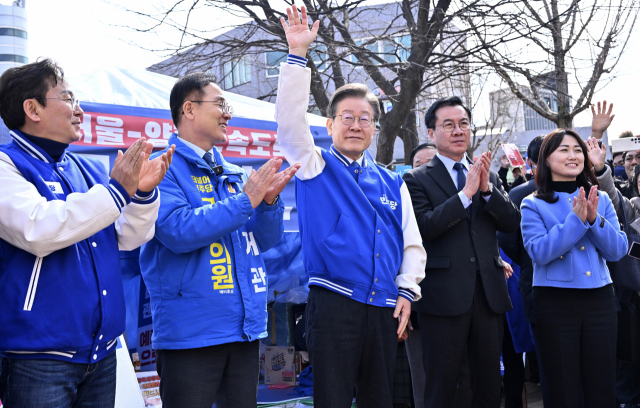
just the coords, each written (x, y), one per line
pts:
(214, 293)
(68, 305)
(352, 236)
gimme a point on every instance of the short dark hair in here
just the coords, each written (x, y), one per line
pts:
(190, 85)
(551, 142)
(430, 116)
(360, 91)
(28, 81)
(613, 156)
(626, 134)
(427, 145)
(533, 151)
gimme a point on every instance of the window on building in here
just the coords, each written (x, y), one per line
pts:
(319, 56)
(397, 47)
(13, 32)
(373, 47)
(503, 106)
(237, 72)
(274, 58)
(13, 58)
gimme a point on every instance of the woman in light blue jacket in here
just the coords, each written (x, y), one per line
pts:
(570, 231)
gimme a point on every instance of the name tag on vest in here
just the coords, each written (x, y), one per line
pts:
(55, 187)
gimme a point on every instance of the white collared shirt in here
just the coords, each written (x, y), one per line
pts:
(199, 151)
(449, 163)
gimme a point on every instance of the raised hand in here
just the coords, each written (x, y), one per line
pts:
(474, 176)
(601, 120)
(485, 159)
(279, 181)
(504, 162)
(597, 156)
(592, 205)
(127, 166)
(297, 31)
(256, 186)
(153, 171)
(580, 205)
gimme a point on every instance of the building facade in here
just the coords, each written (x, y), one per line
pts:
(254, 70)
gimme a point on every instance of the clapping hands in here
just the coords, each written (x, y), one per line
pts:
(586, 208)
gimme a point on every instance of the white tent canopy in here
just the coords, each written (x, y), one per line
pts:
(127, 87)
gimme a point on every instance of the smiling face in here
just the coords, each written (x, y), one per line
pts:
(58, 120)
(452, 144)
(208, 119)
(352, 140)
(567, 161)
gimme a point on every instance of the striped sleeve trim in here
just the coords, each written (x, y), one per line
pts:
(119, 194)
(295, 60)
(407, 294)
(141, 197)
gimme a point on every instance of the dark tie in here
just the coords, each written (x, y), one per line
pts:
(354, 169)
(208, 157)
(462, 179)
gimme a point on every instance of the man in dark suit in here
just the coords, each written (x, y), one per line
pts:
(459, 206)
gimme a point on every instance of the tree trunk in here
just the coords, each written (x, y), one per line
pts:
(409, 136)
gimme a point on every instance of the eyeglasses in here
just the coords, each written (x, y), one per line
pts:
(222, 104)
(449, 126)
(348, 119)
(75, 103)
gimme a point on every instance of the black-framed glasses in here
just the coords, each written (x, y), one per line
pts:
(348, 119)
(222, 104)
(75, 103)
(449, 126)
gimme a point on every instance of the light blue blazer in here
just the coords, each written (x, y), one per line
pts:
(566, 252)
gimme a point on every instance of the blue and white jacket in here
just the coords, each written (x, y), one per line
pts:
(61, 226)
(204, 268)
(359, 234)
(566, 252)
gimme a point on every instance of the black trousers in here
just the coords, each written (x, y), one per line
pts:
(576, 340)
(195, 378)
(513, 371)
(350, 343)
(444, 341)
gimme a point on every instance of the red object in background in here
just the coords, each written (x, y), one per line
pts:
(513, 154)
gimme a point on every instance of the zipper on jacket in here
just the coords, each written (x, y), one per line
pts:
(33, 284)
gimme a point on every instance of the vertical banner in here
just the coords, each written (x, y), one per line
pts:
(145, 330)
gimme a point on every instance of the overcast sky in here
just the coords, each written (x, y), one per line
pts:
(83, 35)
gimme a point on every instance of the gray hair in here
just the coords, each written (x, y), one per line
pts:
(360, 91)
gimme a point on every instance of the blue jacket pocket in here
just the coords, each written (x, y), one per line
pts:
(561, 269)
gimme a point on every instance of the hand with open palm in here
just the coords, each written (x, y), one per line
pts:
(297, 31)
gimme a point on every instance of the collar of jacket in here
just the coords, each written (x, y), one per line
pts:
(188, 153)
(345, 160)
(31, 149)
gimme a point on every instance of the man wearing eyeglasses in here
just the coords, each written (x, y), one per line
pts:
(460, 205)
(63, 219)
(204, 269)
(360, 242)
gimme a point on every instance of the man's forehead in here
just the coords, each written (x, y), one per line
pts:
(62, 88)
(355, 105)
(451, 113)
(214, 91)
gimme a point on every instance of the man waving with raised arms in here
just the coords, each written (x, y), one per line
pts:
(361, 244)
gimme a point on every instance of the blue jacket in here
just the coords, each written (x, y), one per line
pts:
(352, 238)
(61, 227)
(204, 268)
(566, 252)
